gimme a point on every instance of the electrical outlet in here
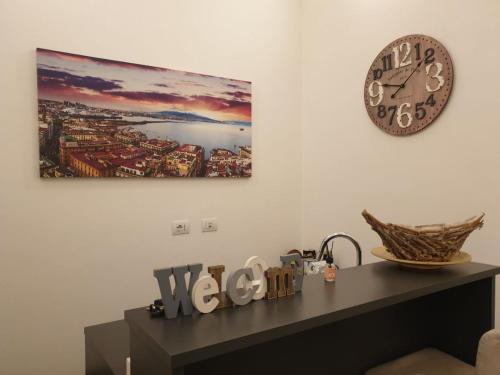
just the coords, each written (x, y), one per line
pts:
(209, 224)
(180, 227)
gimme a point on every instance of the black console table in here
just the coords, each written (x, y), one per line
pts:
(370, 315)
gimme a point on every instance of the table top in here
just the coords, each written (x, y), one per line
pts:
(357, 290)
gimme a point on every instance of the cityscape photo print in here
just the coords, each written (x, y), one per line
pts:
(105, 118)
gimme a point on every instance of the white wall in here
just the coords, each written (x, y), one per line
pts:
(76, 253)
(448, 172)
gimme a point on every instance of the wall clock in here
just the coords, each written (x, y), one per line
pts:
(408, 84)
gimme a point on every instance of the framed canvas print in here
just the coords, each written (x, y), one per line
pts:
(105, 118)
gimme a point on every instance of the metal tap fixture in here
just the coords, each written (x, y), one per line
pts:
(324, 247)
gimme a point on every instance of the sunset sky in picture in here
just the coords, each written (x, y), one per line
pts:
(125, 86)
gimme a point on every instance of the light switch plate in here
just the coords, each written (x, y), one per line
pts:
(180, 227)
(209, 224)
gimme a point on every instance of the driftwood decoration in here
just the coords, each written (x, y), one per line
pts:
(437, 242)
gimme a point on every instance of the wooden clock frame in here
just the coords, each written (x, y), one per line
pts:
(408, 84)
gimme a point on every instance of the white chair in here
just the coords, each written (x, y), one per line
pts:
(431, 361)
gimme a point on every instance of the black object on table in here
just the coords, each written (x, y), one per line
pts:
(370, 315)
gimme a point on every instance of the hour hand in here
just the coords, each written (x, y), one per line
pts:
(389, 85)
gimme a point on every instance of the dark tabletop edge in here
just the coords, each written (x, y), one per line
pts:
(90, 329)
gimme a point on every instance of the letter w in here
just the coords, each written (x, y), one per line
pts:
(181, 295)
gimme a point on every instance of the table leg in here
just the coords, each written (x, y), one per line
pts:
(462, 315)
(146, 359)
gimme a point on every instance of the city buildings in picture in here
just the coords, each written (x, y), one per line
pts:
(104, 118)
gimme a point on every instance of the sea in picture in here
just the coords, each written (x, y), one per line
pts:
(208, 135)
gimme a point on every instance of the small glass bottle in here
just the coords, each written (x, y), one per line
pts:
(330, 272)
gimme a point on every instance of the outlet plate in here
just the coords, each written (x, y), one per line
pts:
(209, 224)
(180, 227)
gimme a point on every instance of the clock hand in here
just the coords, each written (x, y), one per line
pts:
(389, 85)
(406, 80)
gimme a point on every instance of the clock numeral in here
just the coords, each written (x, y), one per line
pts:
(420, 111)
(381, 111)
(417, 51)
(379, 94)
(436, 75)
(377, 73)
(402, 114)
(392, 109)
(430, 100)
(429, 55)
(387, 62)
(406, 58)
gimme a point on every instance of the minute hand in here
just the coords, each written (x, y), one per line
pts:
(406, 80)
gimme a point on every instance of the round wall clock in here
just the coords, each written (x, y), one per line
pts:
(408, 84)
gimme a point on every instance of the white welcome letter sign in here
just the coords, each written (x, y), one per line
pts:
(205, 286)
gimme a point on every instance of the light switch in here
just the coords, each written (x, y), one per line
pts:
(180, 227)
(209, 224)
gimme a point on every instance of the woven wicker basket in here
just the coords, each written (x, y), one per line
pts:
(436, 243)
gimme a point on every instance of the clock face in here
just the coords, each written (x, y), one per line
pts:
(408, 84)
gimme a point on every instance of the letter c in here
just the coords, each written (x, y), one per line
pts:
(258, 266)
(243, 296)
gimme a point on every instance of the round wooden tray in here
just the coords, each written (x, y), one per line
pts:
(460, 258)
